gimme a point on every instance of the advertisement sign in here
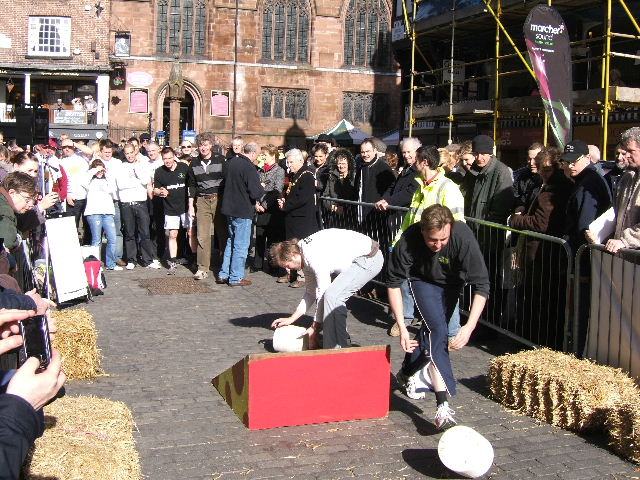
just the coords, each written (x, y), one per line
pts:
(220, 101)
(139, 79)
(547, 42)
(138, 100)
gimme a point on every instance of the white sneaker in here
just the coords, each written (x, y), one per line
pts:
(117, 268)
(417, 385)
(200, 275)
(444, 417)
(130, 266)
(155, 265)
(412, 390)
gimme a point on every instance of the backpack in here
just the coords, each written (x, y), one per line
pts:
(95, 275)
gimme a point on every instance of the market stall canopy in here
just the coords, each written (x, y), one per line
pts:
(345, 133)
(391, 138)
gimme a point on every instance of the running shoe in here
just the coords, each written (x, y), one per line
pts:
(155, 264)
(173, 267)
(444, 417)
(130, 266)
(200, 275)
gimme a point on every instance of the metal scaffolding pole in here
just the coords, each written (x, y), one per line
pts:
(453, 38)
(605, 83)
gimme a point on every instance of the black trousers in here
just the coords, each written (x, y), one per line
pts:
(135, 219)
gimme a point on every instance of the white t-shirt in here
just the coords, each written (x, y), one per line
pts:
(325, 253)
(76, 168)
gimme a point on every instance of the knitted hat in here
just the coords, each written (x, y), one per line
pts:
(482, 144)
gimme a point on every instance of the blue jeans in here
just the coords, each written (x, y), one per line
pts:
(98, 223)
(237, 249)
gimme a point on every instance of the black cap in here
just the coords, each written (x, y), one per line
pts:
(574, 150)
(323, 137)
(145, 136)
(482, 144)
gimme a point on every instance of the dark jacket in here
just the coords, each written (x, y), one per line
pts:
(300, 205)
(458, 263)
(401, 191)
(590, 199)
(547, 211)
(241, 188)
(525, 188)
(322, 177)
(373, 179)
(343, 188)
(489, 194)
(20, 425)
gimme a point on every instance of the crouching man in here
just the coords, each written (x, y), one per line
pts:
(352, 256)
(438, 256)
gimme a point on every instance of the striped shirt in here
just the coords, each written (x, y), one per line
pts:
(209, 174)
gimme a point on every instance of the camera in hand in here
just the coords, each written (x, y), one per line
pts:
(36, 341)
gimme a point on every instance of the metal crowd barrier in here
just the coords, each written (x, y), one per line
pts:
(606, 320)
(530, 273)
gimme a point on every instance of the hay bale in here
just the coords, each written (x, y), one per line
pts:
(623, 426)
(85, 437)
(558, 388)
(77, 341)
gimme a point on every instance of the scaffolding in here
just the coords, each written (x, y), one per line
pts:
(603, 101)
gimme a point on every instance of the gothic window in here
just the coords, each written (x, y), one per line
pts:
(361, 107)
(366, 34)
(285, 31)
(284, 103)
(181, 27)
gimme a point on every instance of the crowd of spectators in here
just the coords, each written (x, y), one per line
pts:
(159, 207)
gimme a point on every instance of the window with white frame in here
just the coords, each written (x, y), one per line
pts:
(49, 37)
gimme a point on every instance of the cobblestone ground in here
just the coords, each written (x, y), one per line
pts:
(161, 353)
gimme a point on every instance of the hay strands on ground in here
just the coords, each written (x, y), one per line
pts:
(77, 341)
(85, 437)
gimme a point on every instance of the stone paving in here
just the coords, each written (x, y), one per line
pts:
(161, 353)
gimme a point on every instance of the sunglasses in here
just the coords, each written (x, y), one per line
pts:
(186, 146)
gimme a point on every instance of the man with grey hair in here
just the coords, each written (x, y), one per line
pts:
(241, 189)
(237, 144)
(594, 157)
(401, 191)
(627, 196)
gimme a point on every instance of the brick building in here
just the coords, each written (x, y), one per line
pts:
(273, 70)
(56, 50)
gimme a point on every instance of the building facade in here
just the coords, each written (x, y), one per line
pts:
(276, 71)
(55, 55)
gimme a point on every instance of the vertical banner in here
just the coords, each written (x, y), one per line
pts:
(547, 41)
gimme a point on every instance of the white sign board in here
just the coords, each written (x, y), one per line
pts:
(398, 31)
(66, 258)
(458, 71)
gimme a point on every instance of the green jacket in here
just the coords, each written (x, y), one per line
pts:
(8, 223)
(489, 195)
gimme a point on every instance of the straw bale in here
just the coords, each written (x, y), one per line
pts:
(558, 388)
(77, 342)
(85, 437)
(623, 425)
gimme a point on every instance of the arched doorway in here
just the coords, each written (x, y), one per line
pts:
(190, 112)
(187, 120)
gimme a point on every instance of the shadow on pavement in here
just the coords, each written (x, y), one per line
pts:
(426, 462)
(368, 312)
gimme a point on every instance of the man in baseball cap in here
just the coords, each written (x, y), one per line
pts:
(574, 150)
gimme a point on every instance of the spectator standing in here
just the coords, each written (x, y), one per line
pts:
(237, 145)
(100, 210)
(175, 184)
(627, 199)
(591, 197)
(145, 140)
(133, 184)
(489, 194)
(113, 165)
(241, 190)
(341, 185)
(75, 168)
(17, 195)
(269, 225)
(620, 166)
(208, 169)
(299, 206)
(594, 157)
(527, 180)
(373, 177)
